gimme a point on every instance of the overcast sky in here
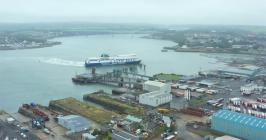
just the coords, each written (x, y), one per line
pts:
(240, 12)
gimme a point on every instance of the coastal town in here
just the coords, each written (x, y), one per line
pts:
(40, 36)
(234, 41)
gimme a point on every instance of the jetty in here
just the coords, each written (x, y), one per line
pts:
(116, 78)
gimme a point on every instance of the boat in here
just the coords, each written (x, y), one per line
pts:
(106, 60)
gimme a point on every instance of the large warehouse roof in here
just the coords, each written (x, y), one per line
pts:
(226, 138)
(76, 120)
(240, 71)
(241, 118)
(155, 83)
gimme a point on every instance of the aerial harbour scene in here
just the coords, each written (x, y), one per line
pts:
(151, 72)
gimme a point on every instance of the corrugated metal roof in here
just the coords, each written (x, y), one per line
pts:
(226, 138)
(236, 70)
(155, 83)
(241, 118)
(207, 82)
(133, 118)
(156, 94)
(75, 120)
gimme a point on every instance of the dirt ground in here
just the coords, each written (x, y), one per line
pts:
(181, 121)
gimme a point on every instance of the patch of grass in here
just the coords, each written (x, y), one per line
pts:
(167, 77)
(115, 104)
(75, 106)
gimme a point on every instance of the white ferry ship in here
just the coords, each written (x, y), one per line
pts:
(105, 59)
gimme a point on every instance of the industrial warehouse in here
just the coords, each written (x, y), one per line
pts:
(74, 123)
(239, 125)
(158, 94)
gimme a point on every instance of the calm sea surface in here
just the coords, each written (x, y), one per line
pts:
(39, 75)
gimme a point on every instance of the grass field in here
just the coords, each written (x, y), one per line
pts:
(77, 107)
(167, 77)
(114, 104)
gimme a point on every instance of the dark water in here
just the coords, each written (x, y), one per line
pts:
(39, 75)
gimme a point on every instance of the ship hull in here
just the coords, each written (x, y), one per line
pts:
(111, 64)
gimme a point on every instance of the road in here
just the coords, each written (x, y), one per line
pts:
(12, 132)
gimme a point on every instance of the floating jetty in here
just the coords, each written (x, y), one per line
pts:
(73, 106)
(113, 104)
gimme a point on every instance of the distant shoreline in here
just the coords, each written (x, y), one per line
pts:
(25, 48)
(51, 44)
(213, 51)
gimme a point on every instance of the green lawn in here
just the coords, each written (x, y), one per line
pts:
(77, 107)
(167, 77)
(117, 105)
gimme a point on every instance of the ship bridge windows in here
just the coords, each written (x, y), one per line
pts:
(93, 60)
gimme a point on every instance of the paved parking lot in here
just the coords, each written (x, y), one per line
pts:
(11, 132)
(227, 88)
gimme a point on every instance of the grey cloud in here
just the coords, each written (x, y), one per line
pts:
(242, 12)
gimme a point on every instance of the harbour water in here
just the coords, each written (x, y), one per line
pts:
(39, 75)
